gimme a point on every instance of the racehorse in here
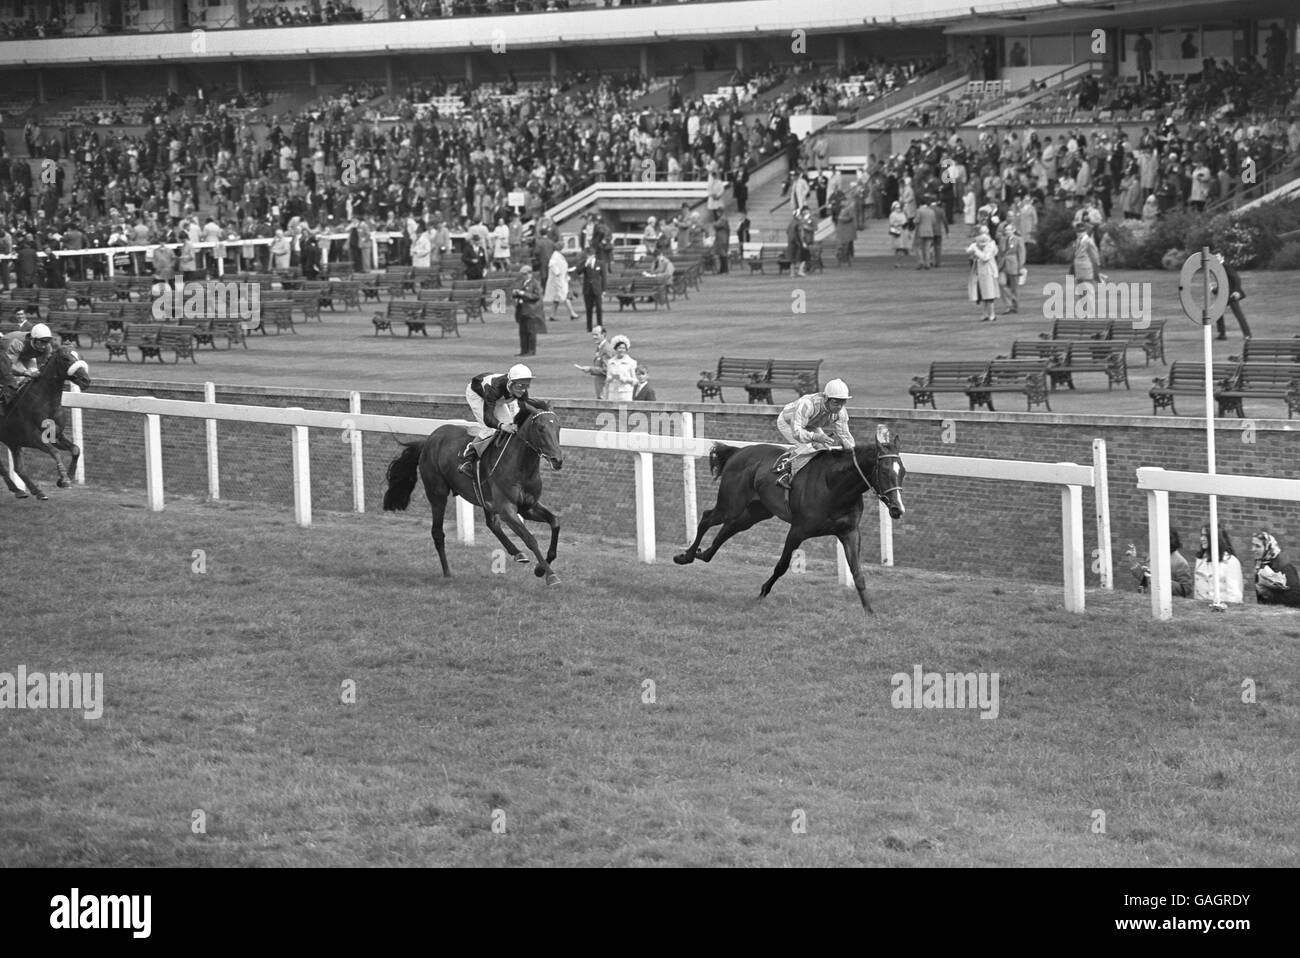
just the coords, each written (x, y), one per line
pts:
(34, 419)
(510, 491)
(825, 498)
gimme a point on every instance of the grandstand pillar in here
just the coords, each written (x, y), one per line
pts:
(740, 54)
(841, 57)
(40, 86)
(469, 68)
(555, 64)
(311, 73)
(645, 60)
(173, 80)
(239, 77)
(103, 84)
(389, 83)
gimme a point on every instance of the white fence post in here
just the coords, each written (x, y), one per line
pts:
(464, 521)
(643, 468)
(1072, 546)
(214, 467)
(1101, 496)
(1162, 604)
(301, 476)
(358, 464)
(886, 535)
(688, 480)
(153, 471)
(78, 438)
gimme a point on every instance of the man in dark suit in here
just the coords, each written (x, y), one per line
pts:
(593, 274)
(643, 391)
(528, 312)
(1235, 296)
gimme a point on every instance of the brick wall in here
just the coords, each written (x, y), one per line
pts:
(1004, 529)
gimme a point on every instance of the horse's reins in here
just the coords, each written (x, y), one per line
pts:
(880, 495)
(506, 444)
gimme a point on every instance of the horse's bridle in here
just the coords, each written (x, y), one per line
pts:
(882, 496)
(537, 415)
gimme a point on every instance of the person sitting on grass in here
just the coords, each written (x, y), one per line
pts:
(1180, 573)
(1276, 582)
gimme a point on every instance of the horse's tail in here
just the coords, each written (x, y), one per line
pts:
(402, 474)
(719, 455)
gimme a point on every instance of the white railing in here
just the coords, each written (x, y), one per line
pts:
(674, 192)
(1158, 483)
(644, 445)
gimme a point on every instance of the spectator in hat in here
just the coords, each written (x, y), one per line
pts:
(1011, 259)
(528, 311)
(604, 352)
(620, 371)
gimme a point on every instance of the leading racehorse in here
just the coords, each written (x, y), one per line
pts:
(508, 486)
(825, 498)
(34, 419)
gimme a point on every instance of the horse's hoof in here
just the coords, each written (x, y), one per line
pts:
(552, 579)
(521, 558)
(65, 483)
(539, 570)
(42, 496)
(20, 495)
(682, 559)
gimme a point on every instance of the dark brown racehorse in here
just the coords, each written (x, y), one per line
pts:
(34, 419)
(509, 478)
(826, 499)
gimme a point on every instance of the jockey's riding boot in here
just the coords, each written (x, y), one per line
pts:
(470, 455)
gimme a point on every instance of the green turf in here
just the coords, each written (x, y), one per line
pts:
(874, 326)
(491, 692)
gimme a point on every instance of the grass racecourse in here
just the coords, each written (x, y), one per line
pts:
(498, 722)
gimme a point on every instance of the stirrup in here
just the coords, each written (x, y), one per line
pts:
(785, 480)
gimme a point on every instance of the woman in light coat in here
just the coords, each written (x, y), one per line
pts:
(421, 251)
(620, 371)
(557, 285)
(982, 286)
(898, 232)
(1231, 586)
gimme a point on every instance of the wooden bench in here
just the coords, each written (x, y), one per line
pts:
(207, 331)
(797, 374)
(946, 377)
(396, 282)
(1097, 356)
(1056, 352)
(1028, 377)
(279, 314)
(1186, 378)
(1261, 381)
(1077, 329)
(1269, 351)
(1150, 340)
(424, 277)
(179, 339)
(124, 313)
(347, 290)
(399, 312)
(646, 289)
(141, 336)
(71, 326)
(439, 308)
(467, 294)
(309, 301)
(733, 373)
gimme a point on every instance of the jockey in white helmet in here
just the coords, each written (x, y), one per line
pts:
(21, 357)
(804, 423)
(494, 398)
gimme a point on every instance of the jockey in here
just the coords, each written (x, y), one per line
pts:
(494, 398)
(804, 423)
(21, 357)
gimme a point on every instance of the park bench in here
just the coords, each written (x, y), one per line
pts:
(946, 377)
(1028, 377)
(399, 312)
(467, 294)
(396, 281)
(1150, 340)
(438, 308)
(1261, 381)
(124, 313)
(1065, 358)
(141, 336)
(733, 373)
(424, 277)
(279, 314)
(1269, 351)
(207, 331)
(179, 339)
(307, 300)
(797, 374)
(1077, 329)
(1055, 351)
(347, 290)
(74, 325)
(646, 289)
(1186, 378)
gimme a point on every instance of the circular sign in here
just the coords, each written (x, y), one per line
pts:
(1189, 291)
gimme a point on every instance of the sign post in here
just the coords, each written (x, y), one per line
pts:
(1209, 310)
